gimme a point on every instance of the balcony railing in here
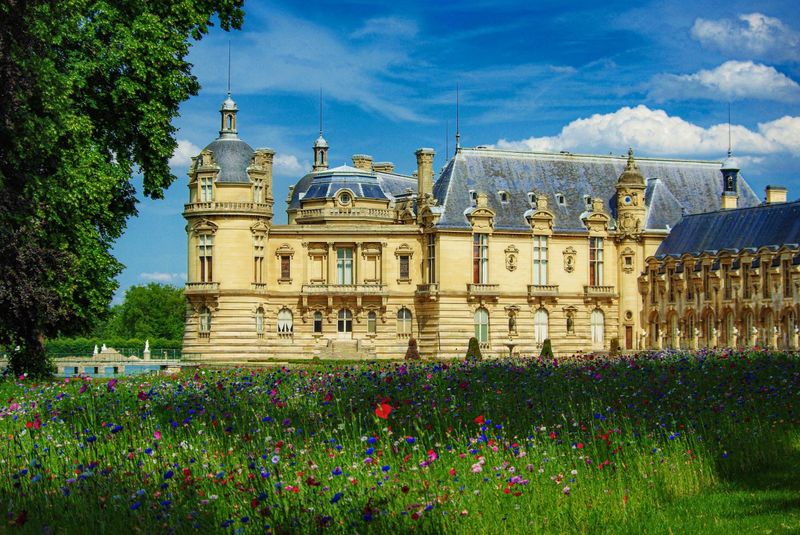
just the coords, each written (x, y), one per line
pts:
(542, 290)
(227, 207)
(483, 289)
(258, 286)
(428, 290)
(199, 287)
(341, 212)
(599, 291)
(344, 289)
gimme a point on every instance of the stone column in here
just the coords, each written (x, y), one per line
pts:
(331, 263)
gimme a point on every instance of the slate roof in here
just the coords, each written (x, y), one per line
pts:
(681, 186)
(233, 156)
(364, 184)
(767, 225)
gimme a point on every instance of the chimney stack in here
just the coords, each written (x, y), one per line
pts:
(776, 194)
(424, 172)
(729, 201)
(383, 167)
(362, 161)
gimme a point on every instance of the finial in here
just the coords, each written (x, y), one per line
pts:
(320, 110)
(729, 130)
(458, 125)
(631, 162)
(229, 68)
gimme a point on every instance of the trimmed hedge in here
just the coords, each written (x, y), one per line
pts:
(84, 347)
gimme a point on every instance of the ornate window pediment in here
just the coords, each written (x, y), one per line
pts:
(204, 226)
(481, 217)
(259, 228)
(284, 250)
(404, 250)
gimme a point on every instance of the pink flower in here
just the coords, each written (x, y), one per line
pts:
(157, 435)
(111, 386)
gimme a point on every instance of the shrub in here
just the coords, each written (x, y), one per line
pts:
(474, 350)
(547, 349)
(614, 349)
(412, 353)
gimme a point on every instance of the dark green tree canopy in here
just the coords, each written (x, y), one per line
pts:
(89, 92)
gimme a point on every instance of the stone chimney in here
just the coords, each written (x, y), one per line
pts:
(362, 161)
(424, 172)
(776, 194)
(383, 167)
(728, 201)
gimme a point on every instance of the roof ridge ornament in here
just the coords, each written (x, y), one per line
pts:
(631, 165)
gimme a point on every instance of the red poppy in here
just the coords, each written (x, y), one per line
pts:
(479, 420)
(383, 410)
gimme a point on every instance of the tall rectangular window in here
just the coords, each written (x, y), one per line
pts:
(707, 282)
(765, 280)
(404, 270)
(688, 270)
(258, 258)
(205, 245)
(258, 191)
(480, 258)
(540, 260)
(653, 286)
(344, 265)
(206, 189)
(787, 278)
(746, 281)
(431, 258)
(286, 267)
(670, 286)
(727, 291)
(595, 261)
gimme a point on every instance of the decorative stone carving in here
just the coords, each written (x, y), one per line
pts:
(512, 257)
(569, 259)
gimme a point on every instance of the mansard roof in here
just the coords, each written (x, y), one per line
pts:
(766, 225)
(363, 184)
(681, 186)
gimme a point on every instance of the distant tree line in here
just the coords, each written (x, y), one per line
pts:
(153, 312)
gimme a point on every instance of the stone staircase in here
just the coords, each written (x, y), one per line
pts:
(337, 349)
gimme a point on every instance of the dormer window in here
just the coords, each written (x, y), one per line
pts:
(560, 199)
(532, 198)
(345, 198)
(587, 200)
(504, 197)
(473, 195)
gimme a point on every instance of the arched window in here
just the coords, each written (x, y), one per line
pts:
(674, 341)
(747, 327)
(345, 321)
(404, 321)
(482, 325)
(372, 323)
(285, 321)
(260, 321)
(205, 321)
(540, 322)
(317, 322)
(598, 328)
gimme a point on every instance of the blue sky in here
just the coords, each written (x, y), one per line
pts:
(545, 75)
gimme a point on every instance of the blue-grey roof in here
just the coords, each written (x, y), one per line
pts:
(233, 156)
(364, 184)
(767, 225)
(682, 187)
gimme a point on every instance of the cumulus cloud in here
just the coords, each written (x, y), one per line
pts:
(288, 165)
(158, 276)
(753, 34)
(183, 154)
(387, 26)
(655, 132)
(731, 80)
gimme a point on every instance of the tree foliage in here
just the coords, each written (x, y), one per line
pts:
(90, 88)
(547, 349)
(412, 352)
(151, 311)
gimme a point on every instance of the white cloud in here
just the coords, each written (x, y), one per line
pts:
(754, 35)
(158, 276)
(183, 154)
(731, 80)
(289, 165)
(387, 26)
(655, 132)
(303, 57)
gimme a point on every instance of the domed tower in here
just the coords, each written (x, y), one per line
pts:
(631, 210)
(228, 217)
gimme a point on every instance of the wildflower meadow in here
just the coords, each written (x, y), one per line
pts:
(655, 443)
